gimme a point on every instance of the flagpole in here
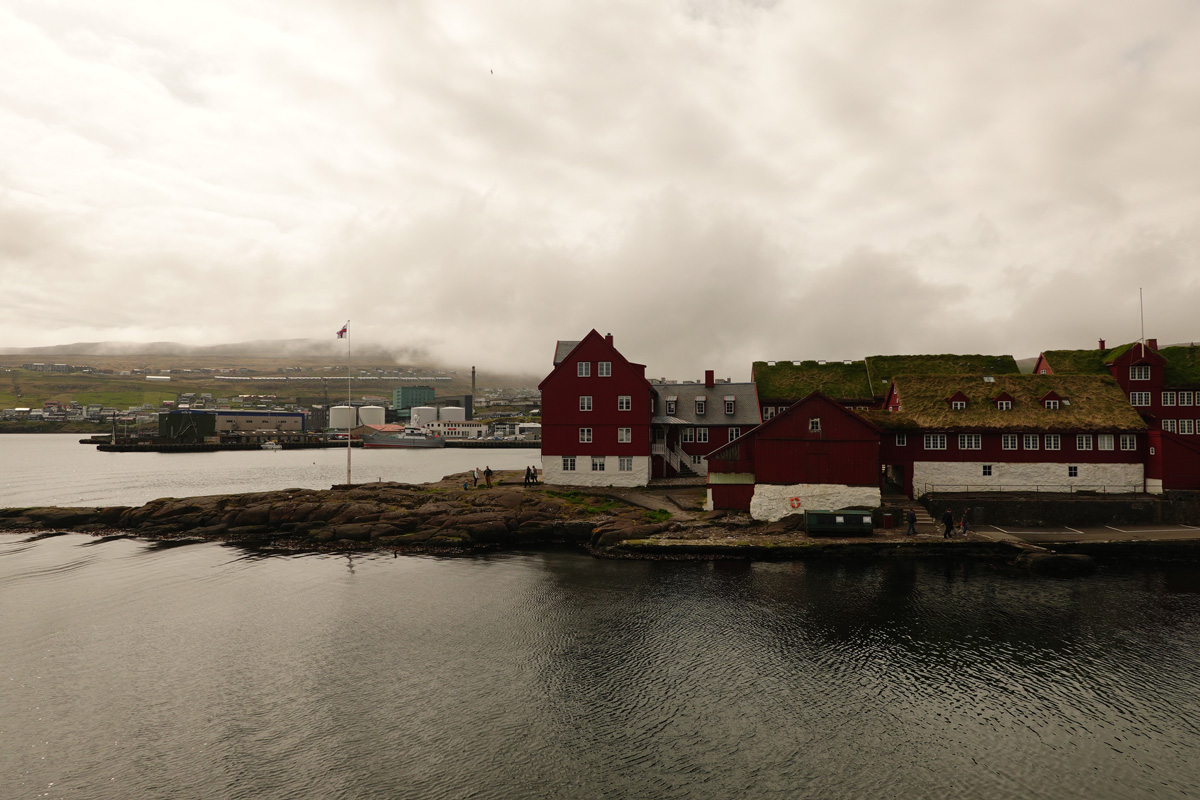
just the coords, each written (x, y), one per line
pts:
(349, 404)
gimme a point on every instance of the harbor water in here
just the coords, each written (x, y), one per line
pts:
(137, 670)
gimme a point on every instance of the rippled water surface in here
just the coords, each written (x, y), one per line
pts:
(131, 670)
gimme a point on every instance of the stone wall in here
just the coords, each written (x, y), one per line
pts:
(1010, 476)
(1048, 509)
(773, 502)
(554, 475)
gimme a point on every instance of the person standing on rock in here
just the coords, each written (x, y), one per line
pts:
(474, 477)
(487, 476)
(527, 477)
(911, 518)
(948, 521)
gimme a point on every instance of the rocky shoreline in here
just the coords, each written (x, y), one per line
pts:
(451, 516)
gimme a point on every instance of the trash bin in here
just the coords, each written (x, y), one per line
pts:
(888, 521)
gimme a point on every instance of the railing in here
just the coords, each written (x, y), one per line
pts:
(670, 456)
(1036, 488)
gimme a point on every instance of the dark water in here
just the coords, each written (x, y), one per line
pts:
(134, 671)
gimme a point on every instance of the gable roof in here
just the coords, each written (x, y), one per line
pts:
(562, 350)
(1093, 402)
(1183, 365)
(882, 369)
(745, 404)
(567, 348)
(792, 380)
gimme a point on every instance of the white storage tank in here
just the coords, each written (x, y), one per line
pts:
(341, 417)
(423, 415)
(452, 414)
(371, 415)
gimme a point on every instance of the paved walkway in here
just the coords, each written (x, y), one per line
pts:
(1095, 533)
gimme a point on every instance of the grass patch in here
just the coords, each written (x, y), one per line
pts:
(656, 515)
(580, 500)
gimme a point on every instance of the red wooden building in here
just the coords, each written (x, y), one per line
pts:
(596, 410)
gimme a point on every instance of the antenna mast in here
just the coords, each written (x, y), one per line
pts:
(1142, 319)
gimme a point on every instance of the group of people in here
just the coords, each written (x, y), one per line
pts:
(531, 477)
(947, 522)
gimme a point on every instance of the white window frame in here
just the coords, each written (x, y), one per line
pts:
(1105, 441)
(958, 405)
(1083, 441)
(568, 463)
(814, 424)
(624, 435)
(670, 410)
(1139, 372)
(624, 463)
(987, 470)
(1052, 405)
(768, 412)
(583, 369)
(901, 440)
(1004, 405)
(1008, 441)
(935, 441)
(1185, 398)
(734, 433)
(1168, 425)
(1031, 441)
(730, 407)
(585, 435)
(604, 369)
(625, 402)
(697, 460)
(1168, 398)
(701, 406)
(585, 402)
(970, 441)
(597, 463)
(1139, 399)
(702, 435)
(1128, 441)
(689, 435)
(1072, 471)
(1186, 427)
(1053, 441)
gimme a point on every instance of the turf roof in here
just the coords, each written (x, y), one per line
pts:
(1183, 365)
(1094, 402)
(794, 381)
(883, 368)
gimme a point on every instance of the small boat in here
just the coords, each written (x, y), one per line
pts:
(411, 436)
(272, 446)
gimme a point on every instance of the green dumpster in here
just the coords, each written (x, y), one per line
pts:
(842, 522)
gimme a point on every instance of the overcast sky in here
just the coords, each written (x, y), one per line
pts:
(711, 182)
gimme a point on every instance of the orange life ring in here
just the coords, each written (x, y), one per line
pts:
(795, 502)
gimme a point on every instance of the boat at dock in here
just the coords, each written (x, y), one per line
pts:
(409, 436)
(272, 446)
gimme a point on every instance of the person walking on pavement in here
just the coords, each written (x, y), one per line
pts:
(911, 518)
(964, 521)
(527, 477)
(487, 477)
(948, 521)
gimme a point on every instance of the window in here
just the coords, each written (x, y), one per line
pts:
(1053, 441)
(1031, 441)
(1083, 441)
(702, 435)
(768, 412)
(1008, 441)
(814, 425)
(670, 406)
(624, 403)
(1004, 405)
(958, 405)
(1139, 372)
(568, 463)
(1139, 398)
(583, 369)
(1104, 441)
(1168, 398)
(604, 369)
(901, 440)
(623, 435)
(1168, 425)
(1052, 405)
(1042, 371)
(689, 435)
(1128, 441)
(935, 441)
(585, 435)
(1185, 398)
(987, 470)
(624, 464)
(730, 406)
(597, 463)
(701, 402)
(1072, 472)
(1186, 427)
(697, 459)
(734, 433)
(969, 441)
(585, 402)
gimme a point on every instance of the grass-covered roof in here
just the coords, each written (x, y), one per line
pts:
(1082, 362)
(1183, 365)
(882, 369)
(788, 380)
(1093, 402)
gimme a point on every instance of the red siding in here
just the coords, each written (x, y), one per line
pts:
(1180, 461)
(732, 496)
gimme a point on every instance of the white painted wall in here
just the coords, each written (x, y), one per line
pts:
(772, 502)
(553, 474)
(1011, 477)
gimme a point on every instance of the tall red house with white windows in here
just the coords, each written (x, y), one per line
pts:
(596, 412)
